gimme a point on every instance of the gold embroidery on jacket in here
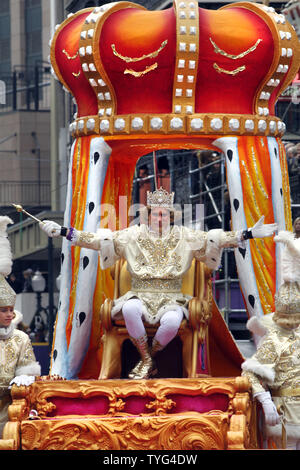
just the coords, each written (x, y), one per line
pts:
(158, 255)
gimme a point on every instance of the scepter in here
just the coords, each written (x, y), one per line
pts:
(19, 208)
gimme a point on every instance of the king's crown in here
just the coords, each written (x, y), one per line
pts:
(160, 198)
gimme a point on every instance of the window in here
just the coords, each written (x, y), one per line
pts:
(5, 64)
(33, 30)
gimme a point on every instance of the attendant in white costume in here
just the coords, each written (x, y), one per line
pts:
(274, 370)
(158, 255)
(290, 258)
(17, 361)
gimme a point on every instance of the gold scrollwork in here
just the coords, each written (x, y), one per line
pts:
(229, 72)
(218, 50)
(70, 57)
(143, 72)
(151, 55)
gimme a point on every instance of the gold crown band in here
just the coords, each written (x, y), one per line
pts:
(196, 124)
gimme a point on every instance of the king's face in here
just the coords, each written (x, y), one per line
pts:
(159, 220)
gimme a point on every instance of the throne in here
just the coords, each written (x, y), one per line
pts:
(193, 334)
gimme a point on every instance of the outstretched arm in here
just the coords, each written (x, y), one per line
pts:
(233, 239)
(77, 237)
(208, 246)
(102, 241)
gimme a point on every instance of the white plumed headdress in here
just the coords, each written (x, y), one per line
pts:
(7, 294)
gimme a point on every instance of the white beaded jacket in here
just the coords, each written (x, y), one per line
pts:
(276, 367)
(16, 356)
(157, 264)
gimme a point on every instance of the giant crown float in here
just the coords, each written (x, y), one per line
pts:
(180, 78)
(183, 70)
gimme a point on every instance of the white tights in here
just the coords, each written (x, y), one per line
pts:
(169, 322)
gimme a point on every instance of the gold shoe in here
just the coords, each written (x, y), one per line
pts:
(135, 370)
(146, 369)
(145, 366)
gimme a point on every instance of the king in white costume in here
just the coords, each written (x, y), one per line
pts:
(274, 370)
(17, 361)
(158, 255)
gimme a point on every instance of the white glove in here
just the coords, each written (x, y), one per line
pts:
(270, 412)
(261, 230)
(51, 228)
(23, 380)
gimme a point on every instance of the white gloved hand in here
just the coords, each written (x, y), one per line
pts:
(23, 380)
(271, 415)
(261, 230)
(51, 228)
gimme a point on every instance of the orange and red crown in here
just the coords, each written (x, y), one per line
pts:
(184, 70)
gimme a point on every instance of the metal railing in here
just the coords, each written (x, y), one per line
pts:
(31, 193)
